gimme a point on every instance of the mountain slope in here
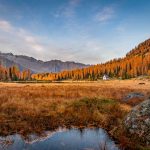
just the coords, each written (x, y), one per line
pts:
(142, 49)
(135, 63)
(37, 66)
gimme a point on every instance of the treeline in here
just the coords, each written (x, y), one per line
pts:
(136, 63)
(13, 74)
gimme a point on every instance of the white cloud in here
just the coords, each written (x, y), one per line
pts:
(32, 42)
(36, 46)
(30, 39)
(74, 2)
(5, 26)
(18, 38)
(21, 41)
(67, 10)
(83, 48)
(105, 14)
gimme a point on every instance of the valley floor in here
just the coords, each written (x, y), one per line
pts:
(28, 108)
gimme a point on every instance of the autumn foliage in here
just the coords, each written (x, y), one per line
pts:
(13, 74)
(136, 63)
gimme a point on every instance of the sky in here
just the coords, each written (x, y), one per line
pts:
(86, 31)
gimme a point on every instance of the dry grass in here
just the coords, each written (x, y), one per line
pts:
(71, 90)
(26, 108)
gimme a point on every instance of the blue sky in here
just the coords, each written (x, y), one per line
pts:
(87, 31)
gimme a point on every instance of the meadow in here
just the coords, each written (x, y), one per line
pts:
(33, 108)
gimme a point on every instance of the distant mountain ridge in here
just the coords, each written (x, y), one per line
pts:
(38, 66)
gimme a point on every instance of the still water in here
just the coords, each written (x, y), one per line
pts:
(61, 139)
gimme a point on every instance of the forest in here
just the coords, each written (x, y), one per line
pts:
(13, 74)
(134, 64)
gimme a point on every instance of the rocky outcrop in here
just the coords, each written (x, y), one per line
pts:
(134, 98)
(137, 122)
(133, 95)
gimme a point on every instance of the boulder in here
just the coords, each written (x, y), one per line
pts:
(137, 122)
(134, 98)
(133, 95)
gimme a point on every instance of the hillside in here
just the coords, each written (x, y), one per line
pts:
(135, 63)
(141, 49)
(37, 66)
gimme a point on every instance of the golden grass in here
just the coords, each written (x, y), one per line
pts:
(28, 108)
(71, 90)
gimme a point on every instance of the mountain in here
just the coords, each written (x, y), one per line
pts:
(142, 49)
(135, 63)
(37, 66)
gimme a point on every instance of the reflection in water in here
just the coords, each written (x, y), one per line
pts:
(62, 139)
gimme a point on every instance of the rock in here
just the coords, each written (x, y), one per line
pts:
(133, 95)
(141, 83)
(137, 122)
(134, 98)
